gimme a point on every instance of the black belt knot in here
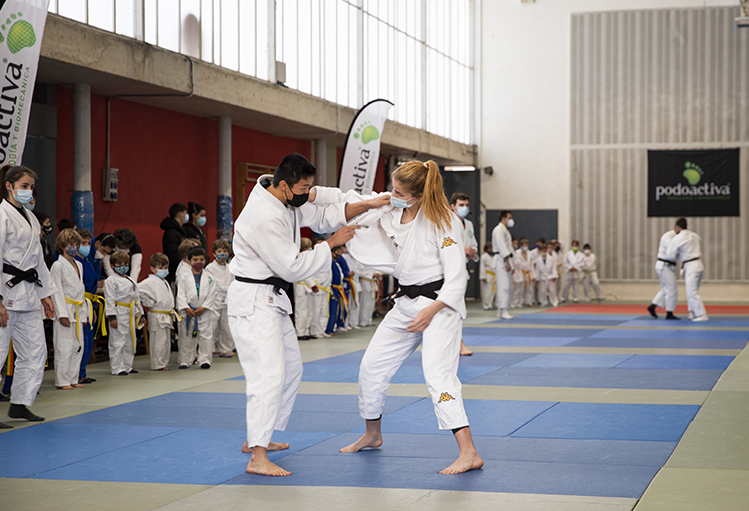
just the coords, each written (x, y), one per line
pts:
(429, 290)
(672, 263)
(277, 283)
(19, 276)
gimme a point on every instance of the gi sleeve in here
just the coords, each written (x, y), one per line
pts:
(673, 247)
(136, 261)
(499, 244)
(182, 284)
(452, 256)
(58, 298)
(147, 295)
(109, 295)
(210, 300)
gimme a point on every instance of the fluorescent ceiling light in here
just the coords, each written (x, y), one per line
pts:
(459, 168)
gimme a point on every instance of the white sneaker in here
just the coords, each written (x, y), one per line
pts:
(505, 315)
(700, 318)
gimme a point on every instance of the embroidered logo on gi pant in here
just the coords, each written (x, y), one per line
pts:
(447, 242)
(445, 397)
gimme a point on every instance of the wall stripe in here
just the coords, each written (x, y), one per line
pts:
(655, 79)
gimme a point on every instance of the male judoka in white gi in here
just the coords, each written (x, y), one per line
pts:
(73, 310)
(487, 276)
(590, 273)
(25, 288)
(419, 241)
(502, 243)
(125, 315)
(573, 264)
(546, 268)
(156, 294)
(223, 342)
(687, 246)
(266, 260)
(666, 271)
(196, 295)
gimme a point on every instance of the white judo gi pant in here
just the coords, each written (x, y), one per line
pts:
(547, 292)
(201, 346)
(159, 343)
(590, 280)
(366, 306)
(390, 347)
(667, 296)
(488, 293)
(504, 287)
(121, 353)
(68, 353)
(522, 291)
(223, 342)
(320, 312)
(354, 301)
(272, 363)
(27, 330)
(572, 280)
(303, 303)
(693, 271)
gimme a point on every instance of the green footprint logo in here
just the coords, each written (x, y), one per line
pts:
(20, 35)
(692, 172)
(367, 132)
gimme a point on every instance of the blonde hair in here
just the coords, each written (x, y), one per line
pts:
(424, 181)
(306, 244)
(66, 238)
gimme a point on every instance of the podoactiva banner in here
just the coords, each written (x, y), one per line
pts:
(693, 183)
(21, 30)
(362, 150)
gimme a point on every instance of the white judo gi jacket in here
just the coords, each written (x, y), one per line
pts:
(547, 269)
(156, 294)
(188, 297)
(502, 244)
(20, 247)
(223, 279)
(470, 238)
(663, 249)
(573, 259)
(69, 285)
(125, 291)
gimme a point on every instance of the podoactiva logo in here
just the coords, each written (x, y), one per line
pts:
(693, 183)
(20, 33)
(367, 132)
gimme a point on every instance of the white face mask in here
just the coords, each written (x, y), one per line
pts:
(510, 223)
(586, 251)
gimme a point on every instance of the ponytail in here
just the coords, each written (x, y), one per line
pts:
(12, 173)
(423, 180)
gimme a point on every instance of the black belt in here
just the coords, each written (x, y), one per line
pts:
(19, 276)
(428, 290)
(672, 263)
(689, 261)
(277, 283)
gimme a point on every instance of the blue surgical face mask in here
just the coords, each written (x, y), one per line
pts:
(463, 211)
(84, 250)
(122, 270)
(400, 203)
(162, 273)
(23, 196)
(201, 221)
(29, 206)
(187, 218)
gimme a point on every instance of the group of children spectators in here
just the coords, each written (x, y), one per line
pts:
(542, 275)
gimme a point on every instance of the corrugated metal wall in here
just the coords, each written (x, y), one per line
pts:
(660, 79)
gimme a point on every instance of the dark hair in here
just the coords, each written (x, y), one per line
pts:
(575, 242)
(454, 198)
(65, 223)
(524, 240)
(12, 173)
(195, 251)
(542, 246)
(219, 244)
(504, 214)
(41, 216)
(541, 240)
(194, 208)
(125, 237)
(159, 259)
(107, 240)
(118, 259)
(292, 169)
(587, 245)
(487, 246)
(682, 222)
(175, 208)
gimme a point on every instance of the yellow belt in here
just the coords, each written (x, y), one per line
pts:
(130, 305)
(526, 282)
(327, 305)
(588, 272)
(78, 326)
(173, 313)
(494, 280)
(353, 290)
(344, 299)
(101, 321)
(374, 286)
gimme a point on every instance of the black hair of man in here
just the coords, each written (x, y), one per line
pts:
(292, 169)
(125, 237)
(65, 223)
(541, 240)
(587, 245)
(195, 252)
(107, 240)
(504, 214)
(177, 208)
(41, 216)
(454, 198)
(682, 222)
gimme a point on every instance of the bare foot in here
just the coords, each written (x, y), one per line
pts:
(273, 446)
(265, 467)
(464, 351)
(77, 385)
(371, 440)
(66, 387)
(464, 463)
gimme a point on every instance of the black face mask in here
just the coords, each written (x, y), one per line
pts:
(47, 229)
(298, 199)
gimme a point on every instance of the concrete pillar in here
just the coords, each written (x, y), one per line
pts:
(224, 209)
(82, 202)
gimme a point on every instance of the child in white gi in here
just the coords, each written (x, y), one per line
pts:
(156, 294)
(184, 270)
(321, 301)
(590, 273)
(196, 295)
(546, 266)
(73, 310)
(573, 262)
(522, 279)
(487, 276)
(223, 342)
(125, 314)
(304, 291)
(368, 295)
(420, 241)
